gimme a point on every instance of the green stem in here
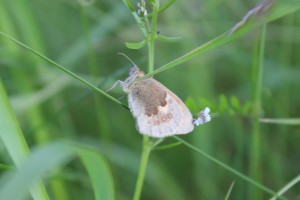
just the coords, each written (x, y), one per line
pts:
(150, 56)
(255, 158)
(147, 146)
(151, 36)
(143, 165)
(258, 72)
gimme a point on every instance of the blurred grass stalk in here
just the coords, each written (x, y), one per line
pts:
(29, 31)
(255, 168)
(283, 121)
(15, 143)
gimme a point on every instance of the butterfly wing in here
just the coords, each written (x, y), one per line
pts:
(158, 111)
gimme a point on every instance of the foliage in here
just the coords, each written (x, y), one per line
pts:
(59, 57)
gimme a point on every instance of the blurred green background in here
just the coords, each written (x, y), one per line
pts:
(85, 37)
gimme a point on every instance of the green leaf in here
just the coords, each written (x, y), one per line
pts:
(246, 108)
(166, 5)
(167, 38)
(223, 104)
(5, 167)
(129, 5)
(163, 7)
(137, 45)
(236, 105)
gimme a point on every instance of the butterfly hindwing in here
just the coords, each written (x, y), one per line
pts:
(158, 111)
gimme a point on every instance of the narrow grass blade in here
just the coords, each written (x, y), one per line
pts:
(14, 141)
(229, 191)
(255, 159)
(167, 146)
(283, 121)
(242, 176)
(287, 187)
(63, 69)
(276, 12)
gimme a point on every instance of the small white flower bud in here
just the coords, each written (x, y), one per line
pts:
(203, 117)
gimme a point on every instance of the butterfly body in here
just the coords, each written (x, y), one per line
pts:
(158, 111)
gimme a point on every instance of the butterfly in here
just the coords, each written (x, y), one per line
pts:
(158, 111)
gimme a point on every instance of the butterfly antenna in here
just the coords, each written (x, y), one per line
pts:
(114, 85)
(127, 58)
(121, 97)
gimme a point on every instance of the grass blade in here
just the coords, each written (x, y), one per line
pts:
(283, 121)
(287, 187)
(277, 11)
(255, 170)
(14, 141)
(167, 146)
(229, 191)
(50, 157)
(99, 174)
(63, 69)
(242, 176)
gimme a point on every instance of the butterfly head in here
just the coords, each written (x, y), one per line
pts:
(134, 73)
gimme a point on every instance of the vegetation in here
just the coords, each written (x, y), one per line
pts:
(64, 137)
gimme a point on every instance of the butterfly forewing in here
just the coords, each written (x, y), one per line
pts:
(158, 111)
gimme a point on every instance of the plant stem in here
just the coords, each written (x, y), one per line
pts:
(255, 170)
(151, 36)
(147, 146)
(143, 165)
